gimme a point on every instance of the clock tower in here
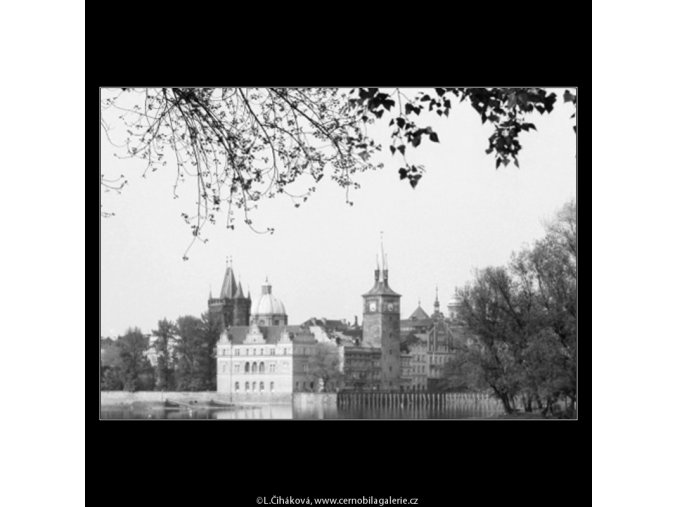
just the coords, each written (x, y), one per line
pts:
(381, 324)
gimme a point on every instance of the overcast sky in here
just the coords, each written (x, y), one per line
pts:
(464, 214)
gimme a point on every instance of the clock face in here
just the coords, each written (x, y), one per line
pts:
(372, 306)
(391, 307)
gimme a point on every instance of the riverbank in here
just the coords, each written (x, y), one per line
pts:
(121, 398)
(117, 398)
(531, 415)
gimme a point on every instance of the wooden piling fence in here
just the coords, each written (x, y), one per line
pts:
(417, 399)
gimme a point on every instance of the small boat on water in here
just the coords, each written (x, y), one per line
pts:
(192, 404)
(222, 404)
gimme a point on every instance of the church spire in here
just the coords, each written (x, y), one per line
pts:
(383, 263)
(381, 273)
(229, 286)
(239, 293)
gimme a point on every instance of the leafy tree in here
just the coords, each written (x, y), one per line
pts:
(462, 372)
(111, 378)
(524, 320)
(188, 351)
(164, 351)
(135, 369)
(211, 332)
(242, 145)
(324, 365)
(195, 351)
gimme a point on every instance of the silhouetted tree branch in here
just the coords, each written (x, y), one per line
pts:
(242, 145)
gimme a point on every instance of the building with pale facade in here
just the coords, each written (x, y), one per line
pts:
(416, 376)
(268, 358)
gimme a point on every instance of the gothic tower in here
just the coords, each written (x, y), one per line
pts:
(241, 306)
(231, 308)
(381, 324)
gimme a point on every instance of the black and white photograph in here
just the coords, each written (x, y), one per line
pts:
(346, 253)
(230, 280)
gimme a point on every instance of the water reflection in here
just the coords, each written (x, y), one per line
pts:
(460, 410)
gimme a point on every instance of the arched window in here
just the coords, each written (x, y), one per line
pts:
(253, 387)
(271, 368)
(272, 387)
(246, 368)
(254, 367)
(261, 368)
(246, 387)
(262, 387)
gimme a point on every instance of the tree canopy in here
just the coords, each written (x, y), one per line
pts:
(523, 317)
(124, 363)
(243, 145)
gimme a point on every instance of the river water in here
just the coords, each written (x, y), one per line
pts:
(459, 410)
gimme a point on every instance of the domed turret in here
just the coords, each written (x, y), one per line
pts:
(453, 307)
(268, 310)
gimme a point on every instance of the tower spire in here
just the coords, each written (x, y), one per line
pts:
(229, 286)
(383, 270)
(238, 292)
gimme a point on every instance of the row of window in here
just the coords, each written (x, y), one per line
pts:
(253, 387)
(261, 387)
(415, 369)
(253, 367)
(261, 351)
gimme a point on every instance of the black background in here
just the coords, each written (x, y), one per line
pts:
(439, 462)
